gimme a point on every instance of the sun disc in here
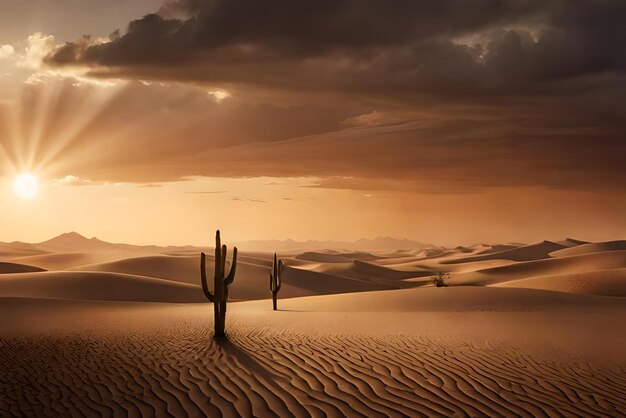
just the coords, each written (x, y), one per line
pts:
(26, 186)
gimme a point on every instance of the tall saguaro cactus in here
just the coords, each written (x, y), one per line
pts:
(276, 278)
(221, 283)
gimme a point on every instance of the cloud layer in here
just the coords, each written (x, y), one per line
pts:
(451, 95)
(408, 48)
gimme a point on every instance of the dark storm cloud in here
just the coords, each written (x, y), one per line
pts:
(303, 28)
(366, 46)
(472, 93)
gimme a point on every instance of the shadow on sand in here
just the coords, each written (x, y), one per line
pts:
(247, 361)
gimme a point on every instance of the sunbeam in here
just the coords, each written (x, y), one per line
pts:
(47, 121)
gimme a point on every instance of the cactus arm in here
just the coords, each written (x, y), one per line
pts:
(224, 252)
(231, 275)
(205, 286)
(218, 255)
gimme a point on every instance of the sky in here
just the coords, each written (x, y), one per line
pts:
(450, 122)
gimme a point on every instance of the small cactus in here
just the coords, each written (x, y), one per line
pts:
(221, 283)
(276, 279)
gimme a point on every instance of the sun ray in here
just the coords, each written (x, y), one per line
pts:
(93, 102)
(41, 126)
(46, 99)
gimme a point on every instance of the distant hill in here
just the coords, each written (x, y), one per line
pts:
(72, 249)
(74, 241)
(363, 244)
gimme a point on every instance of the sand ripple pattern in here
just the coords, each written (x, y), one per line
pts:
(184, 373)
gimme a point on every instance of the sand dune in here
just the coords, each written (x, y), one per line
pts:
(571, 242)
(10, 250)
(555, 266)
(430, 267)
(451, 299)
(604, 282)
(97, 286)
(416, 267)
(120, 359)
(324, 257)
(65, 261)
(595, 247)
(404, 259)
(530, 252)
(423, 264)
(496, 248)
(358, 270)
(182, 269)
(294, 247)
(6, 268)
(353, 335)
(319, 283)
(328, 272)
(373, 271)
(252, 280)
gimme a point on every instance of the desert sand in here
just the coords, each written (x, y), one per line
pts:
(519, 330)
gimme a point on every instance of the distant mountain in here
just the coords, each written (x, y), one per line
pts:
(75, 241)
(363, 244)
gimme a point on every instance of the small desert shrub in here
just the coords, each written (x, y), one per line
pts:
(440, 279)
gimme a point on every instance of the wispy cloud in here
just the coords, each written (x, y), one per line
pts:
(208, 192)
(239, 199)
(70, 180)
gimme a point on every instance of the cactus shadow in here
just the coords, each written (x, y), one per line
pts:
(246, 360)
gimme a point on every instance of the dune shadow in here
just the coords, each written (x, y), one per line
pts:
(246, 360)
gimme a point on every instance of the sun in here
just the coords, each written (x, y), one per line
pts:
(26, 185)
